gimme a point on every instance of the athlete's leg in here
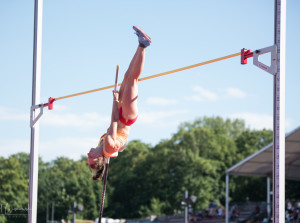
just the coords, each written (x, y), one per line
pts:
(134, 71)
(144, 41)
(129, 88)
(130, 69)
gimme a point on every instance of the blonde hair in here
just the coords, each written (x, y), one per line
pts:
(98, 168)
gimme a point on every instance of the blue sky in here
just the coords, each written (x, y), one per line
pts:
(83, 41)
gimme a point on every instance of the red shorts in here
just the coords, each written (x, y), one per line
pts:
(126, 121)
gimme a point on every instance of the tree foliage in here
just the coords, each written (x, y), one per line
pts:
(144, 180)
(13, 188)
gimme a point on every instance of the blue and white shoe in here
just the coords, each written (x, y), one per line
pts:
(144, 39)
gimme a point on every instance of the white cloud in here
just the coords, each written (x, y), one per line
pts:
(85, 120)
(161, 101)
(12, 146)
(72, 148)
(194, 98)
(57, 118)
(289, 124)
(13, 115)
(160, 117)
(235, 92)
(203, 94)
(254, 120)
(260, 121)
(59, 107)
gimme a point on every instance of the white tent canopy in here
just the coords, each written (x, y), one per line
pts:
(261, 164)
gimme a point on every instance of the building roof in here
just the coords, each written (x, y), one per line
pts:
(261, 162)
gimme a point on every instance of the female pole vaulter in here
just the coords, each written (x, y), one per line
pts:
(124, 111)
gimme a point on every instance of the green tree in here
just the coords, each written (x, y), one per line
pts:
(145, 180)
(126, 182)
(65, 181)
(292, 189)
(194, 159)
(13, 190)
(248, 143)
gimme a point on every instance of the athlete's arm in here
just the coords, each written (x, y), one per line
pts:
(110, 140)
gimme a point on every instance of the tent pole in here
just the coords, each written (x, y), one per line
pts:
(268, 198)
(186, 196)
(227, 198)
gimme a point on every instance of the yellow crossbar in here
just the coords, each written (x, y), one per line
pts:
(153, 76)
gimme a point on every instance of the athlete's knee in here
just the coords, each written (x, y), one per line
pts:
(132, 80)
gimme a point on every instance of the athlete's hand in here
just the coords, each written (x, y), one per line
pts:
(116, 95)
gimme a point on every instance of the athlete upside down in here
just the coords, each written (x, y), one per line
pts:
(124, 111)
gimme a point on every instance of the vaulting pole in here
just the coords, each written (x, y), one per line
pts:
(103, 190)
(37, 55)
(279, 114)
(106, 162)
